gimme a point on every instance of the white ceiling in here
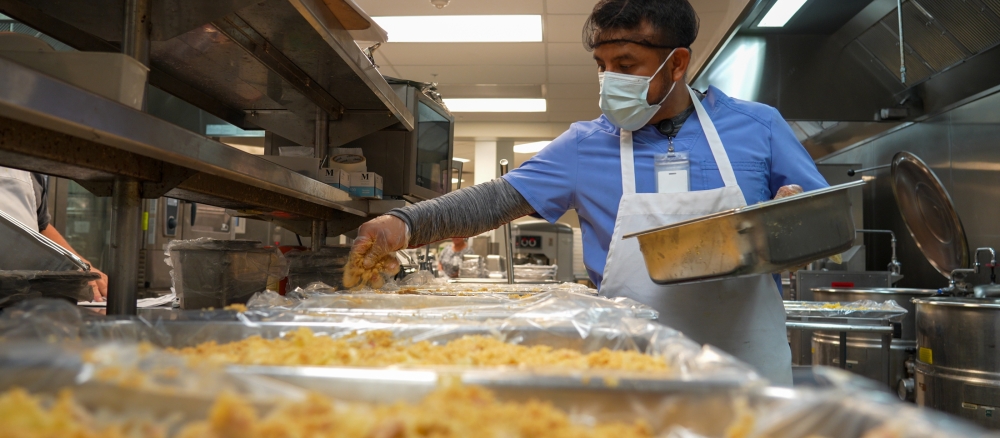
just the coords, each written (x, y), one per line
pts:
(558, 69)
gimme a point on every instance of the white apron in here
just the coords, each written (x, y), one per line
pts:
(743, 316)
(17, 196)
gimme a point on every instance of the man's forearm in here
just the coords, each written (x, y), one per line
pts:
(463, 213)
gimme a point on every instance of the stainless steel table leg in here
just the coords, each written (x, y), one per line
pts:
(843, 350)
(126, 235)
(318, 238)
(886, 359)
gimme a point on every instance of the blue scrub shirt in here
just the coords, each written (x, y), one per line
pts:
(581, 169)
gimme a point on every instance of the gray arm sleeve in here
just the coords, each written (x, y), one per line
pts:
(41, 185)
(463, 213)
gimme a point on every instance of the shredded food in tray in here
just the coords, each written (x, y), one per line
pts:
(448, 412)
(380, 348)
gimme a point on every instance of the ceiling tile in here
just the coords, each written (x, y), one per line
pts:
(569, 54)
(564, 28)
(573, 91)
(500, 117)
(585, 105)
(575, 116)
(377, 8)
(447, 54)
(572, 74)
(474, 74)
(569, 6)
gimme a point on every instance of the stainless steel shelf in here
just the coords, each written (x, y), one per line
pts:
(55, 128)
(250, 62)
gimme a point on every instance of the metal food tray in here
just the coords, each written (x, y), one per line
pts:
(814, 310)
(704, 408)
(758, 239)
(690, 361)
(35, 252)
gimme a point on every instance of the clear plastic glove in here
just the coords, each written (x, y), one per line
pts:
(789, 190)
(373, 256)
(100, 286)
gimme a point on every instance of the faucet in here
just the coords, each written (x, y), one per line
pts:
(894, 266)
(956, 281)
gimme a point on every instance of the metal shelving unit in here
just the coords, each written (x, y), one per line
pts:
(286, 66)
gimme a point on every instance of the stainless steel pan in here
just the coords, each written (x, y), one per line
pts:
(757, 239)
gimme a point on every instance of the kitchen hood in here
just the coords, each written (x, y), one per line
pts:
(836, 64)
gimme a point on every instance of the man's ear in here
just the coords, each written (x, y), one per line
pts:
(679, 64)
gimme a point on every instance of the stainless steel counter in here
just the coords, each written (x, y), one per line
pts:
(52, 127)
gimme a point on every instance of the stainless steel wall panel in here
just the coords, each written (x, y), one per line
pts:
(961, 147)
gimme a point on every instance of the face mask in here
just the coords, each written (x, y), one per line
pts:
(623, 98)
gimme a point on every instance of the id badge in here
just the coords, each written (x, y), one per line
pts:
(673, 171)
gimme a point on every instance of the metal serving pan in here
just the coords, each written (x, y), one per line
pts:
(757, 239)
(35, 252)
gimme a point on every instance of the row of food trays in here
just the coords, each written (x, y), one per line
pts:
(559, 363)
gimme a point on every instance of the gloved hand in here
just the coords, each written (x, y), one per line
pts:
(789, 190)
(373, 254)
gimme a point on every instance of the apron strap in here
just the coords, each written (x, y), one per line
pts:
(714, 142)
(628, 163)
(719, 152)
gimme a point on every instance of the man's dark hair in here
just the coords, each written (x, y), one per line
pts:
(674, 22)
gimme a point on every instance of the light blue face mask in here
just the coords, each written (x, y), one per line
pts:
(623, 98)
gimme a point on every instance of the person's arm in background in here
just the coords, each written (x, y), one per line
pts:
(790, 163)
(41, 184)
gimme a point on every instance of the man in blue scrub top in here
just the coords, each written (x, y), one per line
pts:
(719, 153)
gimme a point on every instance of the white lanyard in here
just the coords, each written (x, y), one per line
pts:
(714, 143)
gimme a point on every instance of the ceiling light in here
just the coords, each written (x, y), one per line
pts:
(455, 180)
(530, 148)
(780, 13)
(461, 160)
(440, 4)
(496, 105)
(462, 28)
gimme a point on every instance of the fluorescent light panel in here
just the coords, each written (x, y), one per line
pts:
(530, 148)
(462, 28)
(461, 160)
(780, 13)
(496, 105)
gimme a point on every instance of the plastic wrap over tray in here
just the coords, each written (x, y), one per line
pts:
(556, 303)
(456, 289)
(118, 382)
(887, 311)
(126, 383)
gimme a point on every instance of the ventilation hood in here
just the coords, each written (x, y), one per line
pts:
(834, 69)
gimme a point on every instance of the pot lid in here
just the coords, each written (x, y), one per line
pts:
(929, 214)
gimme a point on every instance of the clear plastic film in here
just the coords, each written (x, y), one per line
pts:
(72, 286)
(215, 273)
(868, 309)
(553, 304)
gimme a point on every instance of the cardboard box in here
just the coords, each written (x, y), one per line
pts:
(336, 177)
(366, 185)
(307, 166)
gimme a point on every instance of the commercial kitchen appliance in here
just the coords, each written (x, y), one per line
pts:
(864, 351)
(415, 165)
(542, 243)
(957, 367)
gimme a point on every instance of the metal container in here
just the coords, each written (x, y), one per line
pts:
(864, 351)
(17, 286)
(216, 273)
(325, 266)
(35, 252)
(958, 361)
(758, 239)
